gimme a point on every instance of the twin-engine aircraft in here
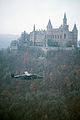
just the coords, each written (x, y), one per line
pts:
(27, 76)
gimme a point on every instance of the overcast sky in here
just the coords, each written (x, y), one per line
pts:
(19, 15)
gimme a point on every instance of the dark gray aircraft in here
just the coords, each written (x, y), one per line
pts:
(27, 76)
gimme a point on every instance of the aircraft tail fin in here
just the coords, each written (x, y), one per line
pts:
(12, 75)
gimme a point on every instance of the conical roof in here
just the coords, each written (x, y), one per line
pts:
(75, 28)
(49, 24)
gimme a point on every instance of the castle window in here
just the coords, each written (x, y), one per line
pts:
(58, 36)
(49, 36)
(55, 36)
(64, 36)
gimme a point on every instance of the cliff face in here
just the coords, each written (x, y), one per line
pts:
(56, 96)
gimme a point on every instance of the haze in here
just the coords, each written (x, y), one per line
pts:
(19, 15)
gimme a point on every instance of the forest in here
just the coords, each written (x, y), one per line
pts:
(54, 97)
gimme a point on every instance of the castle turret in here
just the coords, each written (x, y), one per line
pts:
(34, 27)
(64, 19)
(34, 35)
(75, 28)
(49, 26)
(75, 35)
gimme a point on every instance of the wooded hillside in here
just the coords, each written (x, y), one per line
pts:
(55, 97)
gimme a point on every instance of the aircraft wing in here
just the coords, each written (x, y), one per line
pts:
(35, 76)
(23, 76)
(20, 76)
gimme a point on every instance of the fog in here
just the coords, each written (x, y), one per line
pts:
(5, 40)
(19, 15)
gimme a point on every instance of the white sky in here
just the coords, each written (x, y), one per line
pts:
(19, 15)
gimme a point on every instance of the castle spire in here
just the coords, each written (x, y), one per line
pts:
(49, 26)
(64, 19)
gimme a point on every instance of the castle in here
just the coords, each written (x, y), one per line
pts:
(55, 36)
(52, 37)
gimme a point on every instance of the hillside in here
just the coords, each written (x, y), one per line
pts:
(55, 97)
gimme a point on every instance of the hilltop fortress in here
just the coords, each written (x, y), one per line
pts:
(52, 37)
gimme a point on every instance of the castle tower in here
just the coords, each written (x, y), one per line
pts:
(49, 26)
(34, 35)
(34, 27)
(75, 34)
(49, 32)
(65, 26)
(64, 19)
